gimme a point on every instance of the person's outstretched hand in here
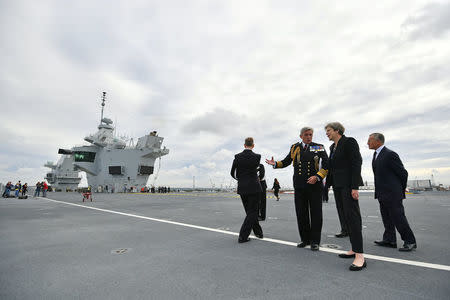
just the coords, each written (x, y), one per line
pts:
(270, 162)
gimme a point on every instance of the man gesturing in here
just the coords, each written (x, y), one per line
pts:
(310, 168)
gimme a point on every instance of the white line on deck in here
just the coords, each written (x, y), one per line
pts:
(370, 256)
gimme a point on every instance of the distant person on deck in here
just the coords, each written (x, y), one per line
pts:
(7, 190)
(44, 189)
(37, 191)
(276, 188)
(24, 189)
(390, 183)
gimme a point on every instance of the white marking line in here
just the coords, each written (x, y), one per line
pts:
(370, 256)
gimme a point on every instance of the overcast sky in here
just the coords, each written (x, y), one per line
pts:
(207, 74)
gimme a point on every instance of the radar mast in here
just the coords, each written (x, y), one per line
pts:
(103, 106)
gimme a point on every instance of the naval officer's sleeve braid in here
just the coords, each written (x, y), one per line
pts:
(324, 170)
(286, 161)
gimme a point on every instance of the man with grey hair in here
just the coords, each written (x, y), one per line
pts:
(310, 162)
(390, 184)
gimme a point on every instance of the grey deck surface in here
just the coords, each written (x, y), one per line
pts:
(52, 250)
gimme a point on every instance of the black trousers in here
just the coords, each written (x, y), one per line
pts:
(393, 215)
(325, 191)
(250, 203)
(308, 207)
(352, 217)
(340, 210)
(262, 204)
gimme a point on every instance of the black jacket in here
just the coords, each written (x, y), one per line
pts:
(344, 165)
(313, 161)
(390, 175)
(244, 170)
(262, 177)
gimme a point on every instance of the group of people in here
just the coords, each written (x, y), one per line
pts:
(18, 188)
(341, 171)
(41, 187)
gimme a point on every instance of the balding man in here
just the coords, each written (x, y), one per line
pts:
(390, 184)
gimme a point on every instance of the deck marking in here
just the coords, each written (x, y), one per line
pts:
(281, 242)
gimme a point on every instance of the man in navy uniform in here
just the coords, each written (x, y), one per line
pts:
(244, 170)
(310, 162)
(390, 184)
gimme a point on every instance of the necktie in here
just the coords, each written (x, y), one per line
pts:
(306, 146)
(374, 159)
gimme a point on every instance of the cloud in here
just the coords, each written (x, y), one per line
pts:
(209, 165)
(206, 75)
(432, 21)
(219, 121)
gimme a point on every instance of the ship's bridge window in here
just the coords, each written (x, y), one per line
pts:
(84, 156)
(145, 170)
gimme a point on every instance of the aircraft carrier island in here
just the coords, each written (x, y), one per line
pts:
(109, 163)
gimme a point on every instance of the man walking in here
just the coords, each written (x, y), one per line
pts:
(390, 184)
(310, 162)
(244, 170)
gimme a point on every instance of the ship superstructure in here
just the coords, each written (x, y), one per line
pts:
(63, 175)
(110, 164)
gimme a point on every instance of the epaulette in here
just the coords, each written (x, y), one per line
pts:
(295, 152)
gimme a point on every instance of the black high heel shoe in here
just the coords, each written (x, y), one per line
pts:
(356, 268)
(345, 255)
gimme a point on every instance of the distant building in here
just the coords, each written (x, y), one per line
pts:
(420, 184)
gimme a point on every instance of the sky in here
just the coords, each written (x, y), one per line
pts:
(207, 74)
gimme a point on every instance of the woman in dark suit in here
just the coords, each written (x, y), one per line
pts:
(344, 174)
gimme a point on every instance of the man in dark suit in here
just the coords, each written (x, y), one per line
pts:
(263, 195)
(344, 175)
(310, 162)
(244, 170)
(390, 184)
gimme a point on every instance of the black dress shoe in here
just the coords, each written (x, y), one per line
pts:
(303, 244)
(341, 234)
(386, 244)
(408, 247)
(356, 268)
(260, 235)
(240, 241)
(315, 247)
(345, 255)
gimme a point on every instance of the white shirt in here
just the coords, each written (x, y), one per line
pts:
(378, 151)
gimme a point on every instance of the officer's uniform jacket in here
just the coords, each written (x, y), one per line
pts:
(244, 170)
(310, 162)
